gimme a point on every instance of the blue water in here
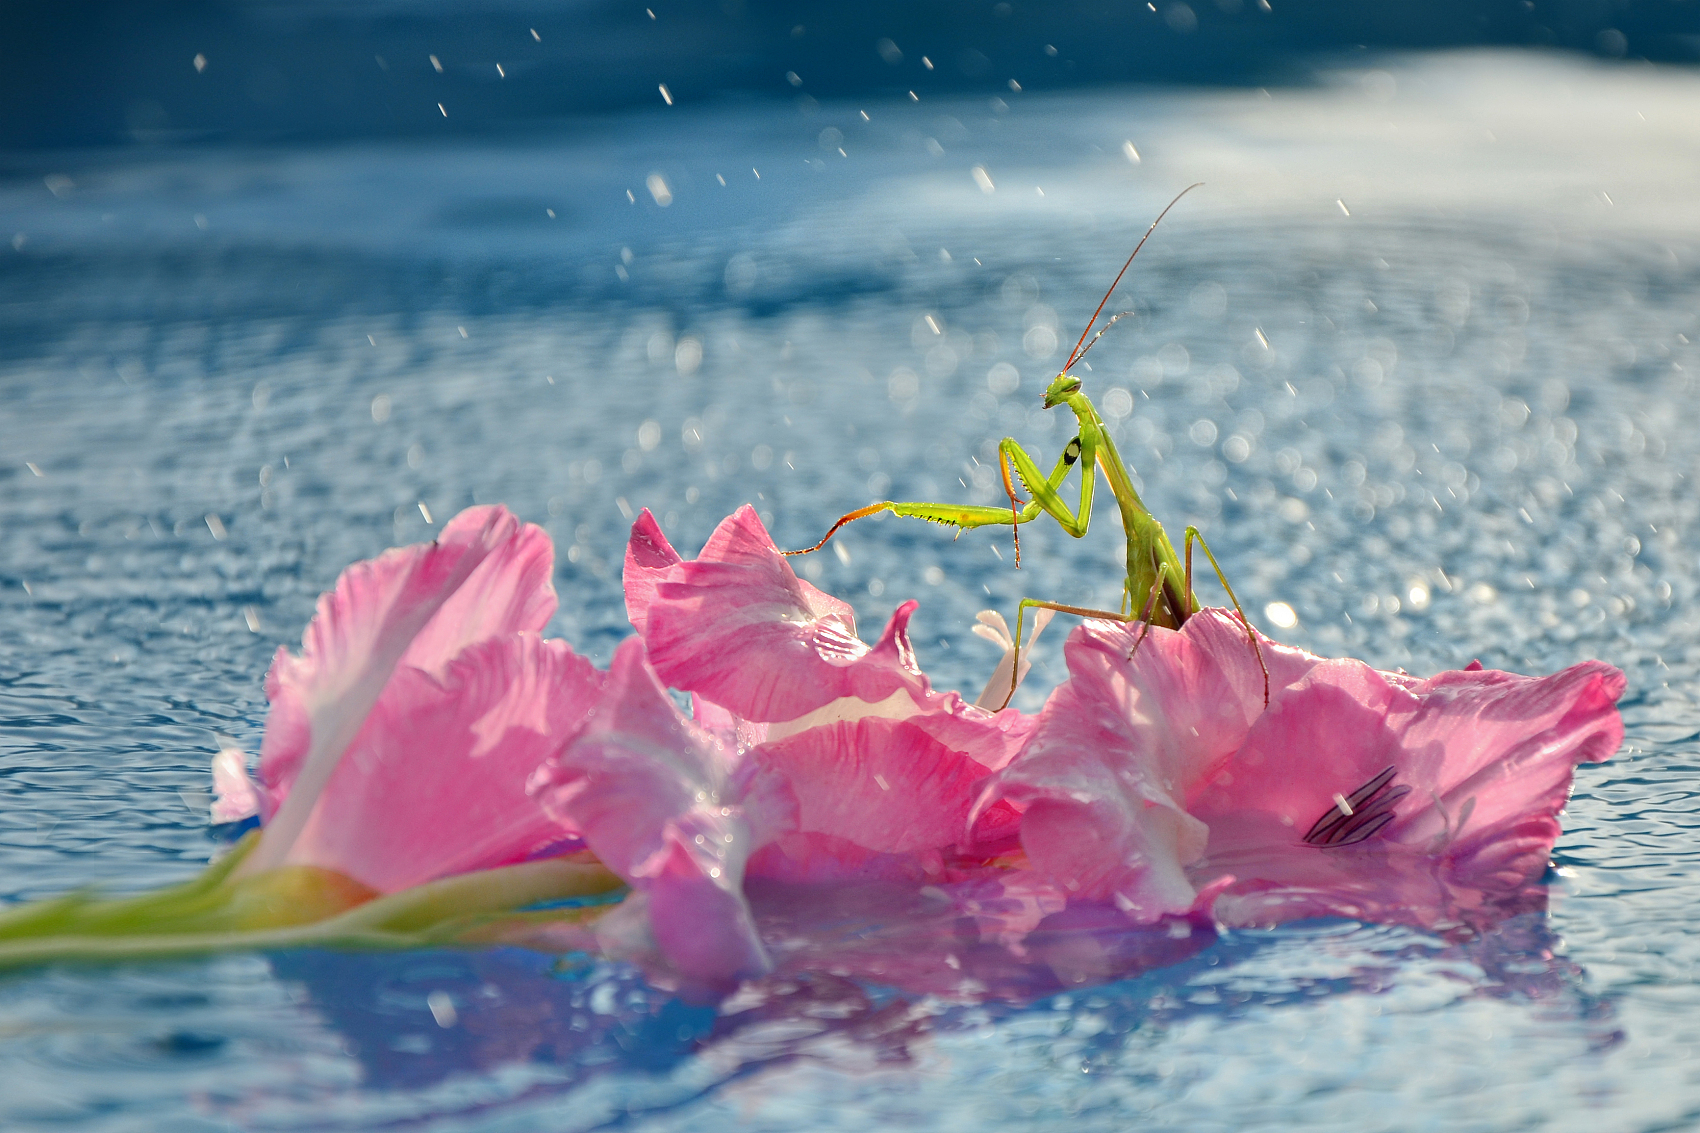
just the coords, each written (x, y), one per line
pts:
(1419, 359)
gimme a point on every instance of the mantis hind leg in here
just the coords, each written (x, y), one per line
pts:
(1192, 534)
(1144, 619)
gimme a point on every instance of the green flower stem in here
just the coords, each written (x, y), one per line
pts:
(295, 907)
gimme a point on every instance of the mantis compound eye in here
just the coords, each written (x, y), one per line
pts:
(1061, 386)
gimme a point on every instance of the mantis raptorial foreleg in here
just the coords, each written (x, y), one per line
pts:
(1006, 450)
(951, 515)
(1044, 488)
(1046, 501)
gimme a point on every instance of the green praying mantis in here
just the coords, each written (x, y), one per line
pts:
(1155, 573)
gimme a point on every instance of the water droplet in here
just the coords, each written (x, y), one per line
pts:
(1039, 342)
(442, 1009)
(687, 356)
(1004, 379)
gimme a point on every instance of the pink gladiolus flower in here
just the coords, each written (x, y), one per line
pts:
(1159, 780)
(400, 740)
(427, 730)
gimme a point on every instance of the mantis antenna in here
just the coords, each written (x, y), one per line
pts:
(1078, 353)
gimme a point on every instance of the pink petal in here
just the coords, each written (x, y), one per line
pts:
(380, 611)
(1128, 850)
(884, 789)
(649, 557)
(884, 785)
(1487, 758)
(739, 627)
(512, 591)
(734, 734)
(887, 683)
(1104, 773)
(818, 859)
(235, 796)
(1426, 802)
(817, 718)
(757, 646)
(435, 783)
(649, 791)
(702, 924)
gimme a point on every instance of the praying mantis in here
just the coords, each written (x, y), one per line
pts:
(1155, 573)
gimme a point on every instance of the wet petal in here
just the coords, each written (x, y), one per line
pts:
(737, 626)
(1104, 774)
(884, 785)
(767, 656)
(1454, 785)
(649, 791)
(649, 557)
(512, 591)
(236, 797)
(435, 783)
(485, 576)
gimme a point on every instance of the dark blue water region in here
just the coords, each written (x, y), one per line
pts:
(103, 71)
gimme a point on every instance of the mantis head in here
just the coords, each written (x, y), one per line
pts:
(1060, 388)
